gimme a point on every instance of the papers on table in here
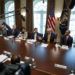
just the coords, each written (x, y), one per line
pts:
(64, 47)
(60, 66)
(21, 62)
(6, 38)
(0, 34)
(21, 38)
(7, 53)
(8, 59)
(10, 37)
(44, 45)
(29, 58)
(3, 57)
(31, 41)
(17, 40)
(57, 45)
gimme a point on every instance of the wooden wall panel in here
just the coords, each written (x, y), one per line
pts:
(1, 8)
(17, 14)
(29, 15)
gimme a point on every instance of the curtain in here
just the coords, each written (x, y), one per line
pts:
(29, 15)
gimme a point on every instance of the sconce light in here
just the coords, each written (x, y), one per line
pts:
(58, 14)
(23, 12)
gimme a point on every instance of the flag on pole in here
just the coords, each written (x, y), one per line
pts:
(51, 15)
(51, 22)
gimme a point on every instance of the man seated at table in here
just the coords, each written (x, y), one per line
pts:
(66, 39)
(23, 33)
(36, 35)
(6, 29)
(49, 36)
(15, 31)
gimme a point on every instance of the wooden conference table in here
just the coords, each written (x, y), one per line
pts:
(45, 57)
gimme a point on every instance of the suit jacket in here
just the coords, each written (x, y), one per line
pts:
(63, 27)
(9, 69)
(38, 35)
(67, 41)
(9, 30)
(52, 37)
(15, 32)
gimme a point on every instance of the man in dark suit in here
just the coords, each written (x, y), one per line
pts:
(35, 35)
(6, 29)
(50, 36)
(67, 39)
(15, 31)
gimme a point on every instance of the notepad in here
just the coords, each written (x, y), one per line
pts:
(44, 45)
(57, 45)
(0, 34)
(21, 62)
(6, 38)
(8, 59)
(64, 47)
(3, 57)
(31, 41)
(10, 37)
(60, 66)
(17, 40)
(6, 52)
(26, 57)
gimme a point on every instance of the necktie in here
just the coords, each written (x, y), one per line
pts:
(66, 39)
(35, 36)
(48, 39)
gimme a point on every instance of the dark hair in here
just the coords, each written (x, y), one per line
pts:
(15, 59)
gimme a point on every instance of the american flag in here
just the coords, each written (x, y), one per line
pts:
(51, 22)
(51, 16)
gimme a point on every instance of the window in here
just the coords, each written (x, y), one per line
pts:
(72, 23)
(39, 16)
(10, 13)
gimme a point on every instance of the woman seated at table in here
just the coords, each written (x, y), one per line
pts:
(66, 39)
(49, 36)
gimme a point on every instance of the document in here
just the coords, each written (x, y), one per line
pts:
(60, 66)
(1, 35)
(44, 45)
(64, 47)
(5, 38)
(10, 37)
(7, 53)
(3, 57)
(57, 45)
(31, 41)
(17, 40)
